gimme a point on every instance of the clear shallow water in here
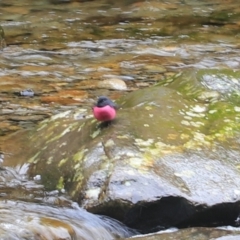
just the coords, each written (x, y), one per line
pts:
(63, 52)
(58, 86)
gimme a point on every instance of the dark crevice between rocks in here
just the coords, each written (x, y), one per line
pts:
(219, 215)
(113, 209)
(179, 212)
(159, 215)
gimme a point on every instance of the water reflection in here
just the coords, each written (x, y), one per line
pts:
(55, 48)
(35, 214)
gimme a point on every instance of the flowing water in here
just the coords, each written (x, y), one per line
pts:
(61, 55)
(67, 54)
(27, 211)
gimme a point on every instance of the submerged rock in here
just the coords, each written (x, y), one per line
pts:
(169, 159)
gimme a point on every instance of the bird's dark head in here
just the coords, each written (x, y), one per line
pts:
(104, 101)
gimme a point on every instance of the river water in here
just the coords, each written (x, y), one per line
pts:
(61, 55)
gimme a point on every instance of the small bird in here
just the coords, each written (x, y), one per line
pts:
(105, 109)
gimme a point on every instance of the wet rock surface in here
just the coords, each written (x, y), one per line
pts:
(61, 56)
(34, 213)
(228, 233)
(169, 159)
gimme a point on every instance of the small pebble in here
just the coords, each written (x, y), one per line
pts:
(113, 83)
(27, 93)
(37, 178)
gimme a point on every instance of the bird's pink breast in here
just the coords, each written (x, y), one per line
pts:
(103, 114)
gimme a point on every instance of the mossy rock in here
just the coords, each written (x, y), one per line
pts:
(176, 139)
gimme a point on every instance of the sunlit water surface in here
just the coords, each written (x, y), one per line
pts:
(68, 54)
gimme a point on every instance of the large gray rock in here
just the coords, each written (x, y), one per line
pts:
(171, 158)
(228, 233)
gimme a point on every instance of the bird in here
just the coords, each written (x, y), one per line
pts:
(105, 110)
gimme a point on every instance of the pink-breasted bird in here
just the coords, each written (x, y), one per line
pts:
(105, 109)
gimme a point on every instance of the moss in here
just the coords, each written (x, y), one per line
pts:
(221, 16)
(234, 97)
(62, 162)
(96, 133)
(34, 159)
(77, 157)
(222, 119)
(52, 178)
(178, 114)
(60, 184)
(186, 85)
